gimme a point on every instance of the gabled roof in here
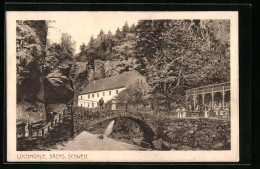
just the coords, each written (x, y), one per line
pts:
(113, 82)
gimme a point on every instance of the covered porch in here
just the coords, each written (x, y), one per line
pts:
(209, 101)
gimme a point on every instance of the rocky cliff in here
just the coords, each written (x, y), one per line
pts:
(81, 74)
(30, 54)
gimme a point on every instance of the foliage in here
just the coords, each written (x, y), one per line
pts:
(133, 95)
(176, 54)
(108, 46)
(61, 54)
(172, 54)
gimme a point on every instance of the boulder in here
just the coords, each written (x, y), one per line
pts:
(58, 88)
(160, 144)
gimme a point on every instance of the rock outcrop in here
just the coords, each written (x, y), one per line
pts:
(114, 67)
(58, 87)
(80, 74)
(31, 37)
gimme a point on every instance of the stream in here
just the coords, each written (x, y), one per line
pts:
(87, 141)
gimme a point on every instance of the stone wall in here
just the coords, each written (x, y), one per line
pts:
(193, 134)
(172, 133)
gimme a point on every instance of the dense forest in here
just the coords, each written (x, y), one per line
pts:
(172, 54)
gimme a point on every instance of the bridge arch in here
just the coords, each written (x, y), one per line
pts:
(146, 128)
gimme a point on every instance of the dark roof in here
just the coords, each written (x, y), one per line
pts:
(113, 82)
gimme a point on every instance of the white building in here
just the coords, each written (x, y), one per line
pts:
(107, 88)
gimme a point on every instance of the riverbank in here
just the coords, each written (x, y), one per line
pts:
(170, 134)
(178, 134)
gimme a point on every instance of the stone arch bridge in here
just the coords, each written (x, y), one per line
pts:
(82, 120)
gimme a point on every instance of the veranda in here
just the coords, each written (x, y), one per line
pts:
(211, 100)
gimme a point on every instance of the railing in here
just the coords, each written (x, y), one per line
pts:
(219, 114)
(96, 113)
(28, 131)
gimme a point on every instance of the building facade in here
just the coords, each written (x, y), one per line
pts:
(108, 88)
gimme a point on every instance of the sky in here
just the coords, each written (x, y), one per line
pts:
(83, 25)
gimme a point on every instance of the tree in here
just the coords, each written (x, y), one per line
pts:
(118, 34)
(91, 51)
(109, 34)
(68, 45)
(101, 35)
(177, 54)
(125, 29)
(133, 95)
(83, 49)
(132, 29)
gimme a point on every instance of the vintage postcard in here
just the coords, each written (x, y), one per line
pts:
(122, 86)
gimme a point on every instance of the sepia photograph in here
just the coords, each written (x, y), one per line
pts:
(122, 86)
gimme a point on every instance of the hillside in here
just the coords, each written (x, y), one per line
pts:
(172, 54)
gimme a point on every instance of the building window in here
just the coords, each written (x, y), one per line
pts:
(80, 97)
(109, 92)
(116, 91)
(103, 93)
(93, 95)
(141, 81)
(81, 105)
(88, 104)
(88, 96)
(92, 105)
(97, 94)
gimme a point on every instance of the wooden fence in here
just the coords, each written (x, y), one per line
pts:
(28, 131)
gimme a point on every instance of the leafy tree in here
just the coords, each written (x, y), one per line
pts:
(133, 95)
(68, 45)
(91, 53)
(83, 48)
(175, 54)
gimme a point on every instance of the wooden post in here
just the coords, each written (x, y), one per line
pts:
(61, 117)
(203, 97)
(223, 95)
(26, 130)
(203, 102)
(194, 100)
(212, 97)
(43, 132)
(186, 101)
